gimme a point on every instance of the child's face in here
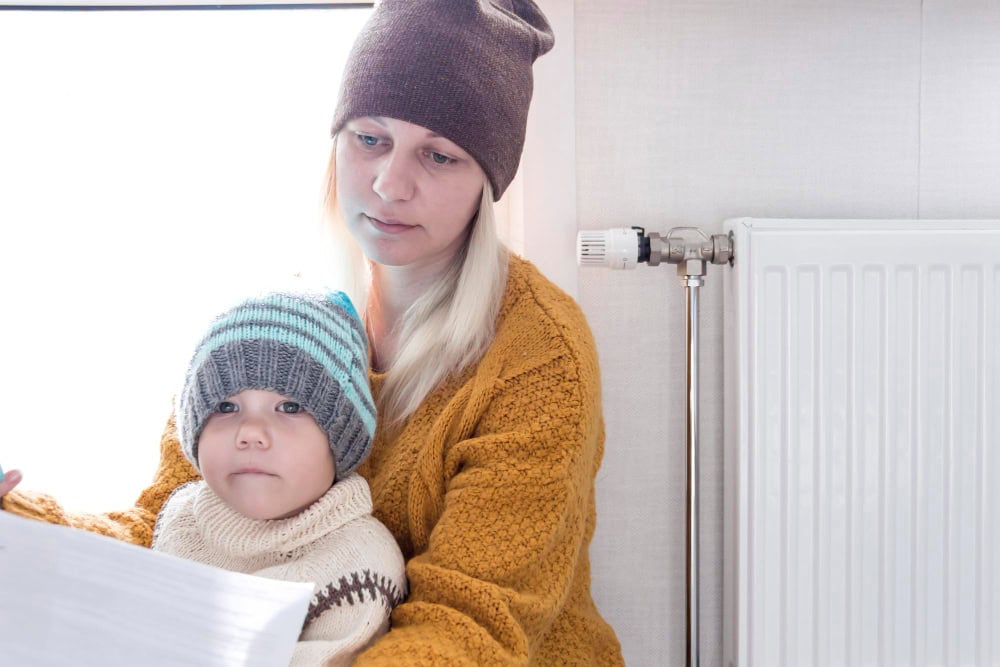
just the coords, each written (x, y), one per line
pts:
(264, 455)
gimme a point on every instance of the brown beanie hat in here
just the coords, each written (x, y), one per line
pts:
(460, 68)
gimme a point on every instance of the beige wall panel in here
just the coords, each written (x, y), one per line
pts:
(960, 110)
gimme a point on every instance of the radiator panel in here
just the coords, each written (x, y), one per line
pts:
(861, 426)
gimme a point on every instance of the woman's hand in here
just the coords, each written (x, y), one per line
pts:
(8, 481)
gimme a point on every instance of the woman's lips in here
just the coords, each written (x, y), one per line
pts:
(389, 226)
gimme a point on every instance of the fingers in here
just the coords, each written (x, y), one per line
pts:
(8, 480)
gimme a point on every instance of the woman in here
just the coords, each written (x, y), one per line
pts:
(485, 374)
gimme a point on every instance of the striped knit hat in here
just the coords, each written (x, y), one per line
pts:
(312, 349)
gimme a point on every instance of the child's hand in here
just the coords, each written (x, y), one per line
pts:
(8, 481)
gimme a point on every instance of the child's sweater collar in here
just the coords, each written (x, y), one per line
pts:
(225, 529)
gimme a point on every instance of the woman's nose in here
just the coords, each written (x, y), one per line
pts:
(394, 180)
(253, 433)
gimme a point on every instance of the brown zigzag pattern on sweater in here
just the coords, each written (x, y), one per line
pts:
(377, 586)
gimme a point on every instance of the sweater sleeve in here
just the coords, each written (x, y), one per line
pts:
(366, 578)
(504, 555)
(133, 525)
(340, 634)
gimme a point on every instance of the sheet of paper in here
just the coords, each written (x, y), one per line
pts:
(68, 597)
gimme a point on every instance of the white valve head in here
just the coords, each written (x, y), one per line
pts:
(611, 248)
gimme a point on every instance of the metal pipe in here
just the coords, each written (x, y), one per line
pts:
(691, 250)
(692, 283)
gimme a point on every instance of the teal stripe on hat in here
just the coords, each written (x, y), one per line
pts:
(307, 316)
(341, 300)
(328, 319)
(330, 333)
(316, 314)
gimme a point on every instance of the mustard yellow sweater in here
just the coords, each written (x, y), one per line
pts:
(489, 490)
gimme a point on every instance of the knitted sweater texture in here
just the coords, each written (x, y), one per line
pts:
(488, 490)
(335, 543)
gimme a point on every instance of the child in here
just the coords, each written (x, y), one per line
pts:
(276, 413)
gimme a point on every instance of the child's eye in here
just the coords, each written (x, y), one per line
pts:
(226, 406)
(290, 408)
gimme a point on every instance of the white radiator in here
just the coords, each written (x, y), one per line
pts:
(862, 444)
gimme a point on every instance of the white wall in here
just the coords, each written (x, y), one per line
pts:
(687, 113)
(213, 153)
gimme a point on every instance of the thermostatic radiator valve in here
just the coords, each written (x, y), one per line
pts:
(622, 248)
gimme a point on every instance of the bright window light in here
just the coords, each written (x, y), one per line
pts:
(154, 167)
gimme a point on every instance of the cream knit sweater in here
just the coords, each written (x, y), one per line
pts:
(351, 558)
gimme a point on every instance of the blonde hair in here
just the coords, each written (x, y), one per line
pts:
(450, 326)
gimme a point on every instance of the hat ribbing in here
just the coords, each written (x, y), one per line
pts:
(309, 348)
(461, 68)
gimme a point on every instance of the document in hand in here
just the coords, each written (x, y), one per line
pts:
(68, 597)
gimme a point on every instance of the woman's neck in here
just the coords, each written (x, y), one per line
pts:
(393, 291)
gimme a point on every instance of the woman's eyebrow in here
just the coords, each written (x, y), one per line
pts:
(381, 120)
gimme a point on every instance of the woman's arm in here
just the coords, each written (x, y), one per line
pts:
(134, 525)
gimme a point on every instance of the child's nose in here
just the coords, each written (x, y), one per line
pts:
(253, 433)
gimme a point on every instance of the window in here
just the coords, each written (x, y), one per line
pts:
(154, 166)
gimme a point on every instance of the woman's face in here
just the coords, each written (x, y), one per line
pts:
(407, 194)
(264, 455)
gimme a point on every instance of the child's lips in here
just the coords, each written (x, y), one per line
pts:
(252, 470)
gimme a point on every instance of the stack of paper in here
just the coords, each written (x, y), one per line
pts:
(68, 597)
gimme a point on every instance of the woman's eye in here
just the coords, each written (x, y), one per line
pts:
(290, 407)
(226, 406)
(367, 139)
(441, 158)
